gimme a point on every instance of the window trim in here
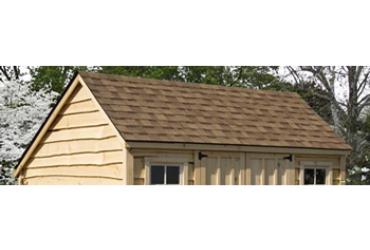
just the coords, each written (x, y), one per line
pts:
(182, 163)
(316, 165)
(165, 172)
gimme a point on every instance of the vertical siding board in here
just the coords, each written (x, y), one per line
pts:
(197, 169)
(128, 167)
(242, 165)
(247, 170)
(263, 172)
(233, 171)
(329, 176)
(290, 171)
(186, 174)
(203, 171)
(342, 166)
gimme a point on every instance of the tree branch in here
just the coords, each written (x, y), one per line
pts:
(5, 73)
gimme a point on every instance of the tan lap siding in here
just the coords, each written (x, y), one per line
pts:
(80, 147)
(72, 180)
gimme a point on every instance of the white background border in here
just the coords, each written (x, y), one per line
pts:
(204, 217)
(184, 32)
(192, 32)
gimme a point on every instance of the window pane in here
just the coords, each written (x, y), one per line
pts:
(157, 175)
(172, 175)
(320, 176)
(309, 176)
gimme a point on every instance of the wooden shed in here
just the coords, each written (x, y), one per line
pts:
(109, 129)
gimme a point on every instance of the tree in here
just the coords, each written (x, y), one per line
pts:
(245, 76)
(21, 114)
(347, 115)
(155, 72)
(56, 77)
(53, 78)
(316, 97)
(9, 73)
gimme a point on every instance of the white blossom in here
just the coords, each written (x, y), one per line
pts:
(22, 112)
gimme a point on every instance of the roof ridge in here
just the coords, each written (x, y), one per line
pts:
(117, 77)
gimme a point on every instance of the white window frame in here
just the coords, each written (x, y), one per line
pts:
(316, 165)
(167, 161)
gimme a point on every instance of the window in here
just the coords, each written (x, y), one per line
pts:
(164, 174)
(314, 176)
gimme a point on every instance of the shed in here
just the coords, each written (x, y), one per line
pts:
(110, 129)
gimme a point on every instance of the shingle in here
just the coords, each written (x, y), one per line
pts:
(166, 111)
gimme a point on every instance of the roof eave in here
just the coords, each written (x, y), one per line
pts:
(235, 147)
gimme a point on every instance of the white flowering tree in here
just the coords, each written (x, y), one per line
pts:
(22, 112)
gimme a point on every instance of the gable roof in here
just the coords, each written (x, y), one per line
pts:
(165, 111)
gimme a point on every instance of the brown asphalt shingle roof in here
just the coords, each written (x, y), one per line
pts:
(166, 111)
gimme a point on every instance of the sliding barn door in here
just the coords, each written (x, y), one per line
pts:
(267, 169)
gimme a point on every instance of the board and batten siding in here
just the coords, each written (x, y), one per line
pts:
(268, 169)
(236, 168)
(80, 147)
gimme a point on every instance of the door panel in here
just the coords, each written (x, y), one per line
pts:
(256, 171)
(281, 171)
(270, 169)
(223, 168)
(211, 164)
(237, 171)
(266, 169)
(226, 171)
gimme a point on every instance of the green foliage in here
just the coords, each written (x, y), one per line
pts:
(155, 72)
(359, 174)
(247, 76)
(205, 74)
(316, 97)
(260, 77)
(53, 78)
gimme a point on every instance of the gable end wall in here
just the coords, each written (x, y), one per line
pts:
(80, 147)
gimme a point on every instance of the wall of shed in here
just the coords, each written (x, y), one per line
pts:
(236, 168)
(147, 156)
(80, 147)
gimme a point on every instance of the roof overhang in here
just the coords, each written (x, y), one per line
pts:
(235, 148)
